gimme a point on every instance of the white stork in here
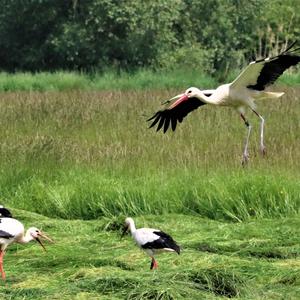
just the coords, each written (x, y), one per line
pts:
(153, 241)
(12, 231)
(4, 212)
(241, 93)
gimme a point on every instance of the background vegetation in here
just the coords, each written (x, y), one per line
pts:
(213, 36)
(88, 154)
(143, 79)
(78, 81)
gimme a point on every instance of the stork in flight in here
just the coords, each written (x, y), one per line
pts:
(248, 87)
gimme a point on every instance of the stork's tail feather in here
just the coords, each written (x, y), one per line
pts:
(270, 95)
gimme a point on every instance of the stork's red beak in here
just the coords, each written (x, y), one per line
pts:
(183, 97)
(42, 235)
(173, 98)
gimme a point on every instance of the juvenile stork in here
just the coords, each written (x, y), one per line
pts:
(12, 231)
(152, 241)
(241, 93)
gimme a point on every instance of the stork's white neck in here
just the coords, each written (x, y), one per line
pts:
(132, 226)
(26, 238)
(209, 100)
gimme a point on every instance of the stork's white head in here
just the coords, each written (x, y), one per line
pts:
(189, 93)
(128, 225)
(36, 234)
(129, 221)
(192, 92)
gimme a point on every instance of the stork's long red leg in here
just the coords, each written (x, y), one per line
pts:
(246, 153)
(154, 264)
(1, 265)
(262, 123)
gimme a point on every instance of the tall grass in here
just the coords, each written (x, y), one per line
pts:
(87, 154)
(94, 194)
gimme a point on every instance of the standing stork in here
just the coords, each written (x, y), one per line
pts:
(153, 241)
(12, 231)
(4, 212)
(241, 93)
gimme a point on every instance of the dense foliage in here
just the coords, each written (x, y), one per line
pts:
(89, 35)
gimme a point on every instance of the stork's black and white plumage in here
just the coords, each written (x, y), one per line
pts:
(5, 213)
(12, 231)
(152, 241)
(241, 93)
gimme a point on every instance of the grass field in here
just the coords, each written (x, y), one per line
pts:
(250, 260)
(109, 80)
(84, 160)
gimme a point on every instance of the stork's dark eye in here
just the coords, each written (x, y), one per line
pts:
(189, 92)
(36, 231)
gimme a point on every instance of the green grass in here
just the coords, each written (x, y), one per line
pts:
(86, 194)
(109, 80)
(122, 81)
(90, 154)
(250, 260)
(85, 159)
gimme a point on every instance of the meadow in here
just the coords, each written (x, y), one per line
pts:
(76, 161)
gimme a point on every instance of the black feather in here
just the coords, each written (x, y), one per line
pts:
(274, 67)
(5, 235)
(167, 123)
(5, 213)
(161, 123)
(177, 113)
(157, 117)
(173, 123)
(164, 241)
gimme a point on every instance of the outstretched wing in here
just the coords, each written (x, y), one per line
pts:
(262, 73)
(164, 241)
(174, 114)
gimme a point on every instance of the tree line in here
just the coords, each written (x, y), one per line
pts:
(93, 35)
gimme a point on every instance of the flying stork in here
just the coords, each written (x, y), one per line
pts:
(153, 241)
(241, 93)
(12, 231)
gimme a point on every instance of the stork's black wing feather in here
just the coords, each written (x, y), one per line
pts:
(274, 67)
(5, 213)
(164, 241)
(175, 114)
(5, 235)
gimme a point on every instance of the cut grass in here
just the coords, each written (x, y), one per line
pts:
(89, 262)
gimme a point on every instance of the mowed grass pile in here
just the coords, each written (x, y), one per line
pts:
(89, 154)
(219, 260)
